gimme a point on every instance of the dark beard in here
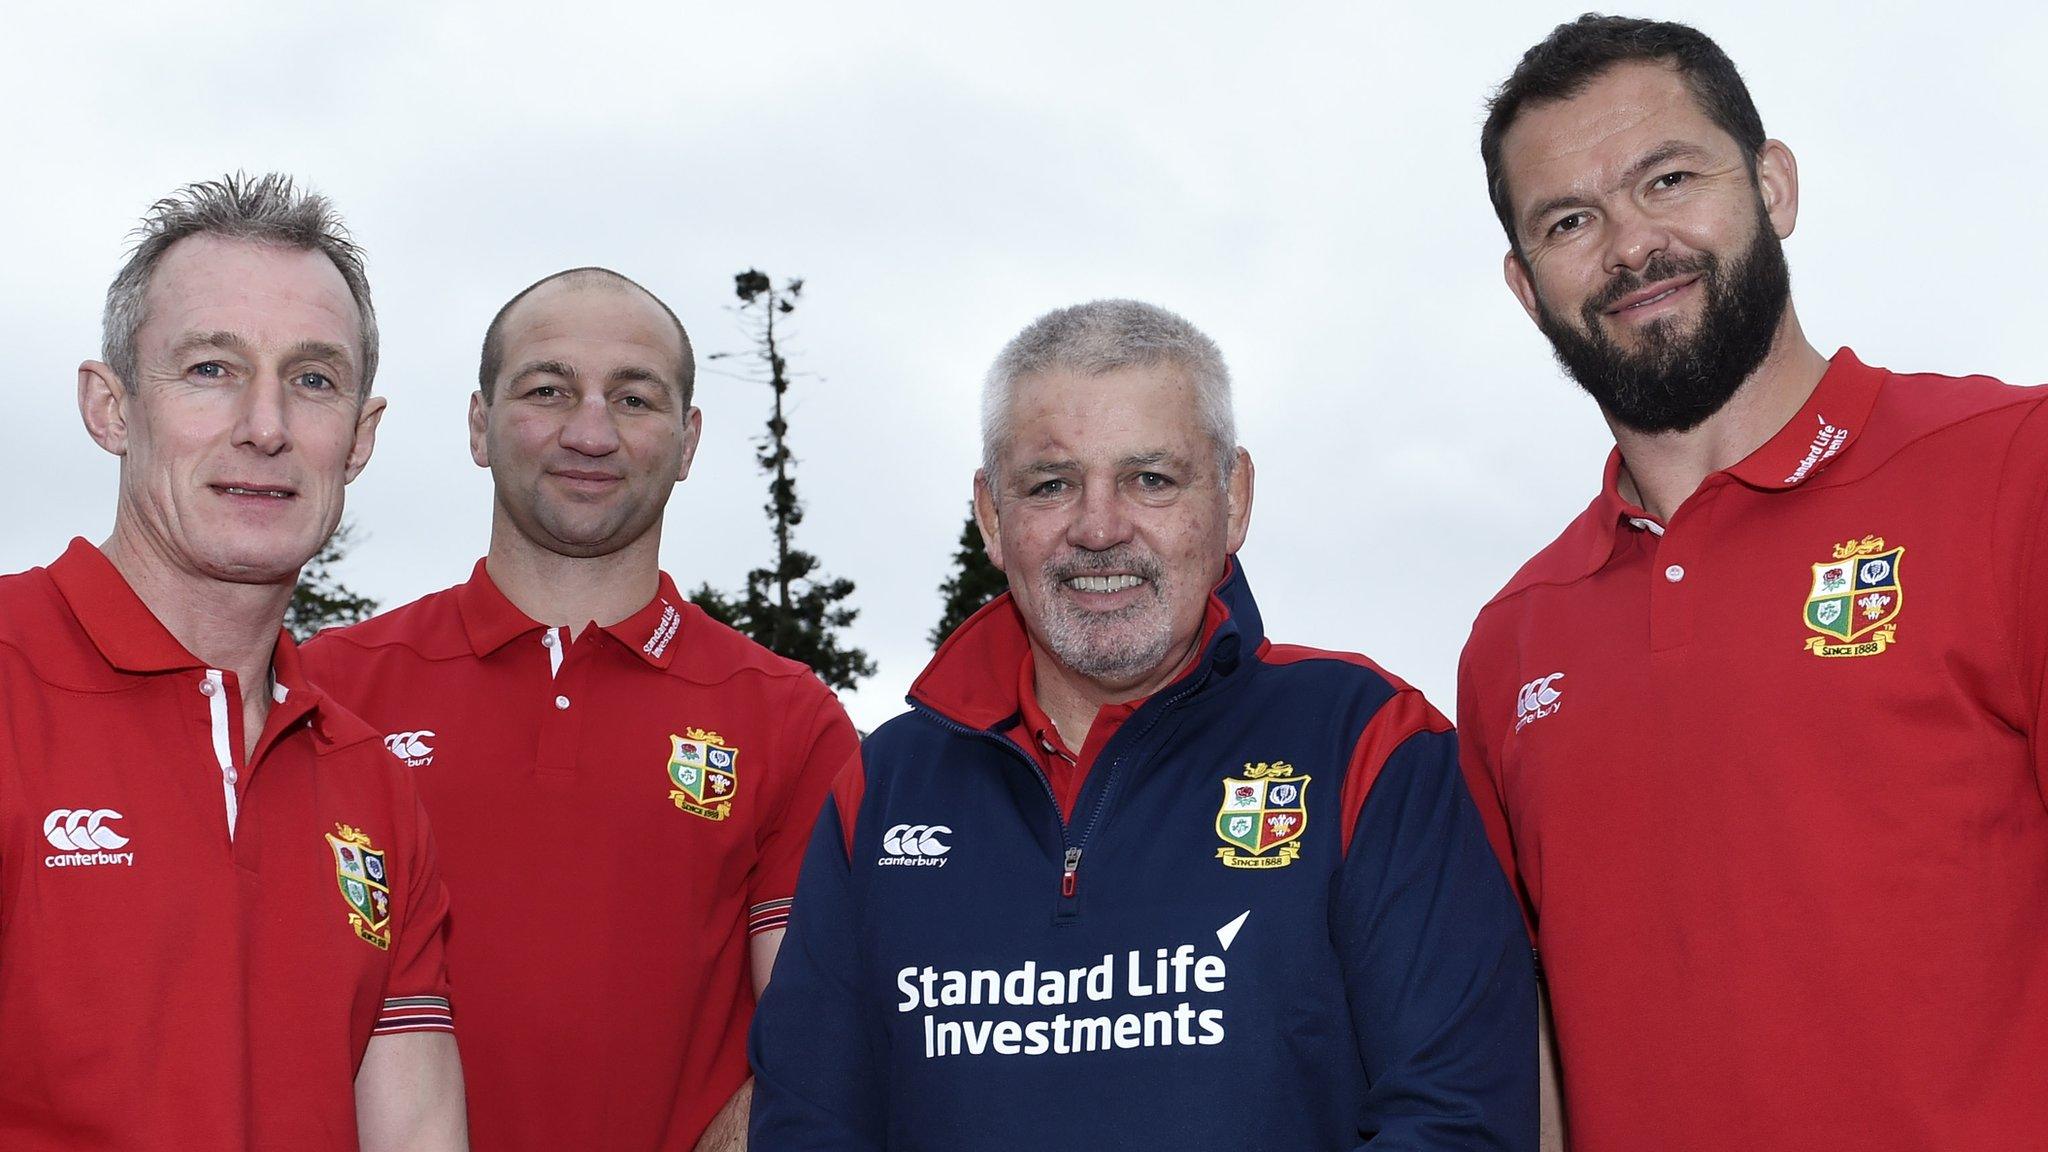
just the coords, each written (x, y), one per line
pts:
(1678, 379)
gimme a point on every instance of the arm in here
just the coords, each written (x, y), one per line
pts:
(727, 1131)
(1551, 1124)
(409, 1085)
(409, 1094)
(1435, 959)
(819, 1076)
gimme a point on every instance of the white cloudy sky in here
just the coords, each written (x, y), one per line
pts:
(1299, 179)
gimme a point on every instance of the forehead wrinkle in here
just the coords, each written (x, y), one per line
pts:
(222, 339)
(547, 367)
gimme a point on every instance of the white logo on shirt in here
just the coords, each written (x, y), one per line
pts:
(1537, 699)
(411, 747)
(81, 834)
(915, 845)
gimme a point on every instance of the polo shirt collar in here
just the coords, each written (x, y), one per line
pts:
(1815, 437)
(131, 639)
(126, 633)
(491, 620)
(1830, 421)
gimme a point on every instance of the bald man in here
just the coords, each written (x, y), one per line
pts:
(622, 787)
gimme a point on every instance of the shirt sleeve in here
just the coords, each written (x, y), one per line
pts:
(2021, 533)
(1479, 759)
(828, 740)
(1435, 960)
(416, 994)
(820, 1083)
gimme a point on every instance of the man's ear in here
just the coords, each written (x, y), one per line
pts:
(987, 520)
(1239, 500)
(693, 431)
(103, 404)
(366, 437)
(1777, 185)
(479, 444)
(1516, 273)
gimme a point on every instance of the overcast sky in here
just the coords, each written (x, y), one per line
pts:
(1302, 181)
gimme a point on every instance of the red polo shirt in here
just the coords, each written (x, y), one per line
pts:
(196, 945)
(616, 814)
(1771, 776)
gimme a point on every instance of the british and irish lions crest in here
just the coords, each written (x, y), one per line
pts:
(1855, 600)
(705, 772)
(1264, 813)
(365, 886)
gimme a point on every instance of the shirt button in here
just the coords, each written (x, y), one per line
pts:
(1675, 573)
(207, 688)
(561, 701)
(231, 777)
(547, 638)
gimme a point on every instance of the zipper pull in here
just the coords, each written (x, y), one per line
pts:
(1067, 878)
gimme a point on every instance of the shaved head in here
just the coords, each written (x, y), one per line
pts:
(580, 280)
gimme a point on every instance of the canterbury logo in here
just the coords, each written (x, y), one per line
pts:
(1537, 699)
(915, 844)
(82, 830)
(411, 747)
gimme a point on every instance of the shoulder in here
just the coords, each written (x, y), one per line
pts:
(1965, 417)
(1566, 560)
(1349, 687)
(429, 628)
(41, 640)
(712, 654)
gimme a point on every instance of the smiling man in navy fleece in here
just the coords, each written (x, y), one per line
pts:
(1129, 875)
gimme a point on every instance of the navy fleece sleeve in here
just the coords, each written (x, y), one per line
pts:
(1436, 965)
(818, 1081)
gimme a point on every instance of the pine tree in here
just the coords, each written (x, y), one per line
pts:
(321, 600)
(789, 608)
(975, 581)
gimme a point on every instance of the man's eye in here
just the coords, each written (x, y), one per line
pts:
(544, 392)
(1051, 487)
(634, 401)
(1153, 481)
(1671, 180)
(316, 381)
(211, 370)
(1571, 223)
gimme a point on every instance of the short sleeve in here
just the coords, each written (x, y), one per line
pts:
(416, 994)
(828, 740)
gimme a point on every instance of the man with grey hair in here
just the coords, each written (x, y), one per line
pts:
(222, 925)
(1129, 875)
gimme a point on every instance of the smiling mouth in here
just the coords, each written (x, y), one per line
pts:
(1103, 583)
(1643, 300)
(238, 490)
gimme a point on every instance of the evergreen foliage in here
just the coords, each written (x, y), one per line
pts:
(321, 600)
(975, 581)
(789, 607)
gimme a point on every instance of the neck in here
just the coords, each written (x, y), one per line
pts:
(574, 591)
(1661, 469)
(229, 626)
(1071, 700)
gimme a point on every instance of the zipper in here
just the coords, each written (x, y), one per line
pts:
(1070, 857)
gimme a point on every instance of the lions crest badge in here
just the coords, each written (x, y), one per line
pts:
(1264, 813)
(705, 772)
(1855, 600)
(365, 886)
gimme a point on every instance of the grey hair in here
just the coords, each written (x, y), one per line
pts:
(267, 209)
(1104, 336)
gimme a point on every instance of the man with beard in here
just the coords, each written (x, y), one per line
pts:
(1129, 875)
(1779, 828)
(623, 786)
